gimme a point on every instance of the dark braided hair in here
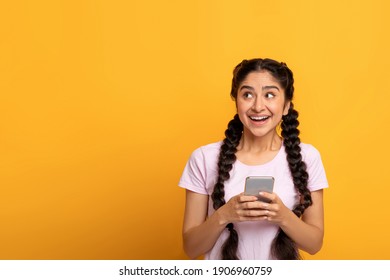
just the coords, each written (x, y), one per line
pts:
(282, 246)
(227, 157)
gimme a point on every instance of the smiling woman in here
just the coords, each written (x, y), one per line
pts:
(239, 226)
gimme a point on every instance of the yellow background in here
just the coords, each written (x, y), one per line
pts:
(102, 102)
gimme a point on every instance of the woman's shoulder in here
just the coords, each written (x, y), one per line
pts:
(208, 150)
(308, 148)
(205, 155)
(204, 159)
(309, 152)
(312, 158)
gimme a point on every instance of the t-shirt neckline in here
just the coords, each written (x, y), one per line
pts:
(266, 163)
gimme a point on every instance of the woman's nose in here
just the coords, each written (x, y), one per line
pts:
(258, 105)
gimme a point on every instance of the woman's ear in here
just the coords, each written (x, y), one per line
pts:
(286, 108)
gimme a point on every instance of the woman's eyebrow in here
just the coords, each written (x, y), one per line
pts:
(263, 88)
(269, 87)
(246, 87)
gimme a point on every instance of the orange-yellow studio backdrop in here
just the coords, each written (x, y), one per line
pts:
(102, 102)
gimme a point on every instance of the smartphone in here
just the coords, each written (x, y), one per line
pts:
(256, 184)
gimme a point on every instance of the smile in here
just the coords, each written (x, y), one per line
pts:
(259, 118)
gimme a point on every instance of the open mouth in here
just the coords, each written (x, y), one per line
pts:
(259, 118)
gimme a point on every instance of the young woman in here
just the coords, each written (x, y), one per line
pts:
(221, 222)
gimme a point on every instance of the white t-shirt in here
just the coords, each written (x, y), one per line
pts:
(255, 238)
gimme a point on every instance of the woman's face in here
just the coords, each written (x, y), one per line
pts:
(261, 103)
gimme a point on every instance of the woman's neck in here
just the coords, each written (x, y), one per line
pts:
(253, 144)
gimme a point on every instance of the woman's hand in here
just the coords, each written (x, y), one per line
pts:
(242, 208)
(275, 211)
(247, 208)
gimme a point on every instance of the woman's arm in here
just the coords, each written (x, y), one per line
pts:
(199, 233)
(308, 232)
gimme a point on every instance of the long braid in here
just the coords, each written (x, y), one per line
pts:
(290, 133)
(225, 163)
(283, 247)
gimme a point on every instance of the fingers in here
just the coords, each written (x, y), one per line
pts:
(254, 212)
(253, 209)
(252, 202)
(270, 196)
(249, 208)
(275, 210)
(246, 198)
(270, 207)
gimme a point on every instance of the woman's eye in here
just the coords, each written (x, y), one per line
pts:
(248, 95)
(269, 95)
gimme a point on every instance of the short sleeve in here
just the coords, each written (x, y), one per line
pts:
(194, 174)
(315, 169)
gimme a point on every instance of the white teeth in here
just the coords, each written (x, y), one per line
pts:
(259, 118)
